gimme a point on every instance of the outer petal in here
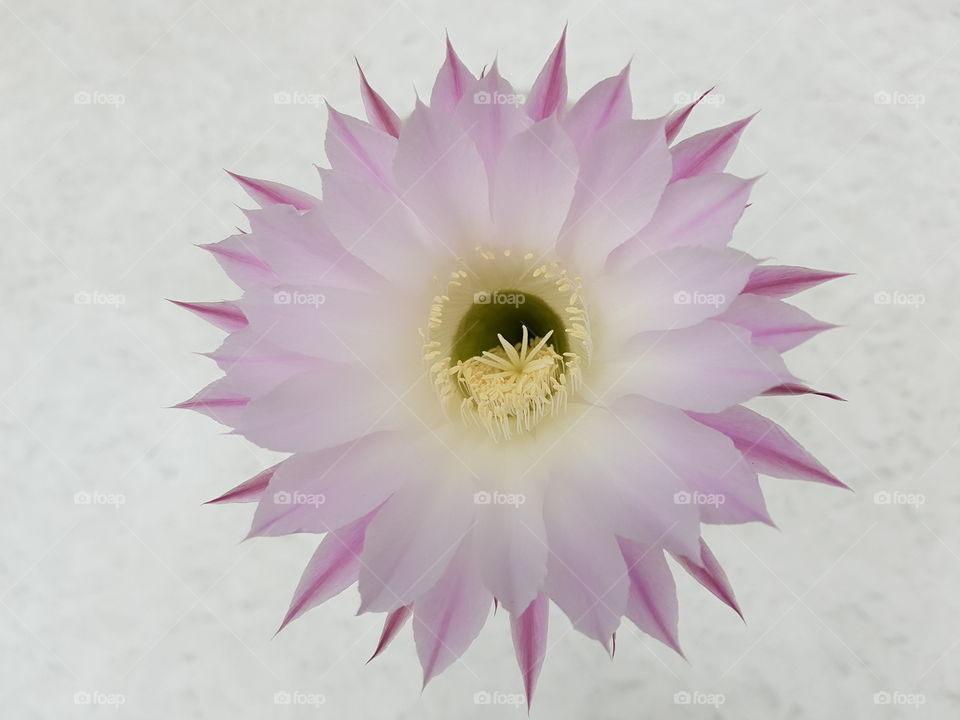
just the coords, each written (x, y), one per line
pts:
(707, 152)
(673, 289)
(268, 193)
(249, 490)
(700, 211)
(707, 571)
(333, 404)
(652, 603)
(511, 550)
(321, 491)
(529, 631)
(773, 322)
(678, 118)
(332, 569)
(782, 281)
(359, 149)
(380, 114)
(392, 625)
(453, 81)
(585, 572)
(403, 559)
(534, 185)
(492, 116)
(622, 176)
(225, 315)
(766, 445)
(707, 368)
(549, 93)
(450, 615)
(441, 176)
(606, 102)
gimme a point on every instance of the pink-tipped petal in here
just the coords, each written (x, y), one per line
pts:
(795, 388)
(678, 118)
(453, 81)
(529, 630)
(450, 615)
(392, 625)
(773, 322)
(359, 149)
(249, 490)
(332, 569)
(767, 446)
(781, 281)
(236, 257)
(267, 193)
(698, 211)
(707, 152)
(219, 400)
(379, 113)
(549, 93)
(606, 102)
(225, 315)
(652, 603)
(707, 571)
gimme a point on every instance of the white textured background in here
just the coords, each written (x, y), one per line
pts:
(156, 601)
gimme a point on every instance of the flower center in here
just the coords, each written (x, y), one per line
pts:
(509, 357)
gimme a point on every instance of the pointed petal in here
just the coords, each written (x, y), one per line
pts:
(707, 571)
(453, 81)
(441, 177)
(622, 178)
(606, 102)
(235, 255)
(450, 615)
(332, 569)
(380, 114)
(248, 491)
(359, 149)
(652, 603)
(678, 118)
(794, 388)
(535, 179)
(773, 322)
(698, 211)
(322, 491)
(529, 631)
(404, 559)
(767, 446)
(267, 193)
(219, 400)
(708, 367)
(549, 93)
(225, 315)
(707, 152)
(392, 625)
(782, 281)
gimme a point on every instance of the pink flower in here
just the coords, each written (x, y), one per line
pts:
(507, 352)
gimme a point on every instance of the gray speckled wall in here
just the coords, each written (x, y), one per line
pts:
(116, 119)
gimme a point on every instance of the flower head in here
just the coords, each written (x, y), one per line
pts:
(508, 352)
